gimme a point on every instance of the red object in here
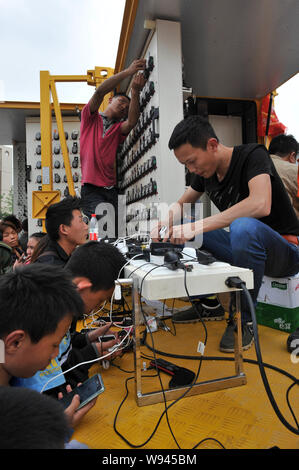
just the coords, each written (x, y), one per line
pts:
(291, 239)
(275, 126)
(93, 236)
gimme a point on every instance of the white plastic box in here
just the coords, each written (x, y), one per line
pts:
(280, 291)
(278, 303)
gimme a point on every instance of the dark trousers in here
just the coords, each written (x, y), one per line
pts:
(254, 245)
(104, 203)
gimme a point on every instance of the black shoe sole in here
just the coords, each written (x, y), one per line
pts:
(244, 348)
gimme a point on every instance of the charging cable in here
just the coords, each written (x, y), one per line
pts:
(115, 348)
(238, 283)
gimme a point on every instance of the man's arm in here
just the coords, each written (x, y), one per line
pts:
(110, 83)
(134, 110)
(175, 213)
(256, 205)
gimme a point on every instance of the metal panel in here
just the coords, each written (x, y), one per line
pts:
(71, 126)
(161, 100)
(231, 48)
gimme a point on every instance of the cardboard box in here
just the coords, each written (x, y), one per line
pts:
(275, 316)
(283, 291)
(278, 303)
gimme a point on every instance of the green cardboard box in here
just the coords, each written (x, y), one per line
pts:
(275, 316)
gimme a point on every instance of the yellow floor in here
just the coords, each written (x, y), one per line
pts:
(239, 418)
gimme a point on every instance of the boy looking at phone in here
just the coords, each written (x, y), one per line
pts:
(37, 306)
(93, 268)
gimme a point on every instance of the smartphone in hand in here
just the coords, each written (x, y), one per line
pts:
(87, 391)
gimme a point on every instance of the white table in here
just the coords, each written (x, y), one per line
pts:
(162, 283)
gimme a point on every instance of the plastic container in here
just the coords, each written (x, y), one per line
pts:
(93, 228)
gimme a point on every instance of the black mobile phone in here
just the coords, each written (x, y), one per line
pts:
(88, 330)
(105, 338)
(90, 389)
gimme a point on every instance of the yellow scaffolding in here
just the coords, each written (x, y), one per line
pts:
(47, 89)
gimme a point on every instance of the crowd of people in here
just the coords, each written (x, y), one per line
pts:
(43, 296)
(50, 280)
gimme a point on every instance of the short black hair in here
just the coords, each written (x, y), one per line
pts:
(194, 130)
(14, 220)
(119, 93)
(6, 223)
(61, 213)
(35, 298)
(282, 145)
(100, 262)
(31, 420)
(37, 235)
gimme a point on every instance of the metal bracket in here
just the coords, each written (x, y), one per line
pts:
(202, 387)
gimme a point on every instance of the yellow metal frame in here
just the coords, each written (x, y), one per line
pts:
(47, 88)
(129, 16)
(41, 200)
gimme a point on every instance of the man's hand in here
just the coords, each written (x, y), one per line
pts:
(110, 83)
(103, 348)
(73, 416)
(182, 233)
(101, 331)
(155, 233)
(138, 83)
(136, 65)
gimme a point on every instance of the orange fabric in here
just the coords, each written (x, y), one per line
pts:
(291, 239)
(275, 126)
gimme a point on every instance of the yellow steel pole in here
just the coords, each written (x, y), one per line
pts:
(46, 133)
(69, 78)
(98, 76)
(62, 139)
(47, 86)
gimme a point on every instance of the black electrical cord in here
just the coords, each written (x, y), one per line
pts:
(237, 282)
(260, 362)
(149, 328)
(179, 398)
(158, 373)
(196, 308)
(217, 358)
(135, 446)
(209, 439)
(230, 359)
(288, 402)
(200, 362)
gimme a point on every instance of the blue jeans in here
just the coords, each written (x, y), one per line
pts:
(254, 245)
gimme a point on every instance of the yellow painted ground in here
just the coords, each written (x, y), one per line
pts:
(240, 417)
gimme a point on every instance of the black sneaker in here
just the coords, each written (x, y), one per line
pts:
(293, 341)
(227, 343)
(209, 309)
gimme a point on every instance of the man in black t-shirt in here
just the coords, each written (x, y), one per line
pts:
(243, 184)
